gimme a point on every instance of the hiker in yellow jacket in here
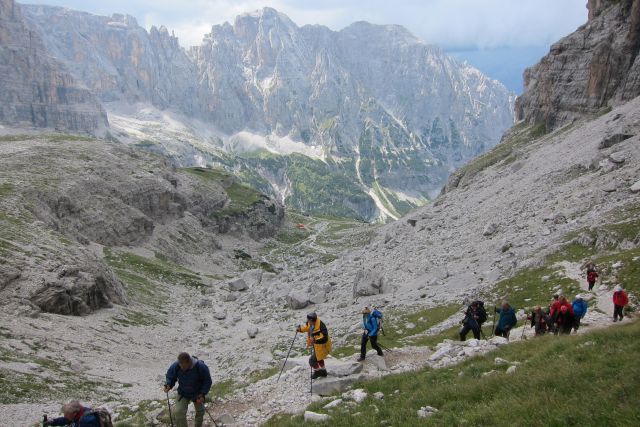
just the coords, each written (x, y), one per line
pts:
(318, 339)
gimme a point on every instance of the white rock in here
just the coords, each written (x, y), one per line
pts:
(238, 285)
(297, 300)
(358, 395)
(333, 404)
(512, 369)
(252, 331)
(618, 157)
(314, 417)
(490, 229)
(635, 188)
(378, 395)
(617, 265)
(491, 372)
(499, 341)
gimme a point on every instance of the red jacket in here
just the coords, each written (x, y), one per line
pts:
(557, 305)
(620, 298)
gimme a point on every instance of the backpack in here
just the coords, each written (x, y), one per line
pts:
(482, 313)
(103, 416)
(378, 316)
(592, 276)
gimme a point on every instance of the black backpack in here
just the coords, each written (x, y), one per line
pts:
(482, 313)
(103, 416)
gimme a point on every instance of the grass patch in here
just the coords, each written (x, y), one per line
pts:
(224, 388)
(629, 275)
(6, 189)
(585, 380)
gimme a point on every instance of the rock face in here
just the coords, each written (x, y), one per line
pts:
(117, 59)
(393, 113)
(35, 89)
(595, 67)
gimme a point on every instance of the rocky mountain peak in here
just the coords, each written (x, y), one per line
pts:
(588, 71)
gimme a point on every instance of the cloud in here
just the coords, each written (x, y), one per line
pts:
(449, 23)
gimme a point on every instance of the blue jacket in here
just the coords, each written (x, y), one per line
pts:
(371, 322)
(507, 318)
(193, 382)
(88, 420)
(580, 308)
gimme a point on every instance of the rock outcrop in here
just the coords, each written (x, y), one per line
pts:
(35, 89)
(594, 68)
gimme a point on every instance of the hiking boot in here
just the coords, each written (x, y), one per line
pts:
(322, 373)
(380, 354)
(361, 359)
(316, 374)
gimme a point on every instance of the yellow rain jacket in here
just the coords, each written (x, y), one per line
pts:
(318, 336)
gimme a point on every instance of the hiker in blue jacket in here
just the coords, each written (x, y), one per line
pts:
(194, 382)
(75, 415)
(580, 308)
(371, 325)
(506, 321)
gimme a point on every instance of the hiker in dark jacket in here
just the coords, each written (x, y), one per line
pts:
(539, 320)
(75, 415)
(592, 275)
(474, 317)
(506, 321)
(371, 326)
(580, 308)
(194, 382)
(564, 321)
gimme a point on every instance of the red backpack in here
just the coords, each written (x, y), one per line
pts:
(592, 276)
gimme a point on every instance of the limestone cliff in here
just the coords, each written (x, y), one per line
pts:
(592, 69)
(35, 89)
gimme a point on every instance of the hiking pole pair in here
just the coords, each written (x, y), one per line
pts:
(384, 347)
(288, 353)
(493, 324)
(170, 414)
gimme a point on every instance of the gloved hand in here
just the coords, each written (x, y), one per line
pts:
(167, 387)
(199, 400)
(299, 328)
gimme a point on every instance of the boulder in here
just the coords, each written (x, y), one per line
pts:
(500, 361)
(314, 417)
(635, 188)
(238, 285)
(7, 275)
(318, 297)
(378, 395)
(499, 341)
(252, 331)
(358, 395)
(220, 314)
(426, 411)
(331, 385)
(297, 300)
(512, 369)
(377, 361)
(617, 158)
(367, 282)
(205, 303)
(252, 278)
(333, 404)
(293, 362)
(612, 140)
(343, 369)
(490, 229)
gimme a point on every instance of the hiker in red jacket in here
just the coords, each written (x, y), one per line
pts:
(620, 299)
(592, 275)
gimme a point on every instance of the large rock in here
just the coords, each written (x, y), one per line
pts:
(635, 188)
(367, 282)
(592, 68)
(334, 385)
(238, 285)
(314, 417)
(343, 369)
(297, 300)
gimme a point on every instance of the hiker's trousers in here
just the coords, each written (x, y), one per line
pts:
(374, 345)
(182, 405)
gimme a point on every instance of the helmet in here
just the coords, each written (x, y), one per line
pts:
(312, 316)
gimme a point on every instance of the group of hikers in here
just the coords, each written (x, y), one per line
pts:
(194, 379)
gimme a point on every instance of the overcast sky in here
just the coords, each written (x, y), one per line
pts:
(449, 23)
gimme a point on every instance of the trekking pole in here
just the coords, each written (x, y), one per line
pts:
(524, 325)
(210, 416)
(44, 420)
(170, 414)
(288, 353)
(311, 373)
(493, 324)
(384, 347)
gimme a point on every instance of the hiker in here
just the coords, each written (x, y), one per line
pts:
(620, 299)
(77, 415)
(580, 308)
(539, 320)
(371, 325)
(506, 321)
(592, 275)
(474, 317)
(194, 382)
(564, 322)
(319, 341)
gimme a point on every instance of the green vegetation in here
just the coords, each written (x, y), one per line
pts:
(538, 130)
(241, 197)
(552, 386)
(629, 274)
(6, 189)
(62, 137)
(129, 418)
(223, 388)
